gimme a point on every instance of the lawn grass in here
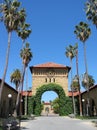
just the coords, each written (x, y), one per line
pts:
(86, 117)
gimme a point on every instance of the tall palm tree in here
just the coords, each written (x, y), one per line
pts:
(24, 33)
(16, 78)
(76, 83)
(26, 91)
(71, 52)
(91, 11)
(13, 17)
(83, 32)
(26, 56)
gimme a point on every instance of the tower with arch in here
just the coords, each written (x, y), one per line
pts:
(50, 77)
(49, 72)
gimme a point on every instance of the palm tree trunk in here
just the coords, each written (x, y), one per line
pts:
(26, 91)
(73, 101)
(85, 60)
(6, 66)
(80, 102)
(19, 97)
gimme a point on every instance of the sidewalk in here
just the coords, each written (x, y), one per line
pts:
(58, 123)
(24, 123)
(89, 122)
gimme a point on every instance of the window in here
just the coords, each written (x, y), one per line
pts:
(49, 79)
(46, 80)
(53, 79)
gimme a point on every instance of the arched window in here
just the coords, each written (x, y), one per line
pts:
(46, 80)
(53, 79)
(49, 79)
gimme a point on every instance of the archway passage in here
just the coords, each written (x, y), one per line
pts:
(64, 102)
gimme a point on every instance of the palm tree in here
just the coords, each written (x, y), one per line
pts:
(91, 11)
(91, 82)
(75, 84)
(26, 91)
(77, 78)
(16, 78)
(13, 18)
(26, 56)
(71, 52)
(83, 32)
(24, 32)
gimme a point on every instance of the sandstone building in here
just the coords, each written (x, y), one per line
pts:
(49, 73)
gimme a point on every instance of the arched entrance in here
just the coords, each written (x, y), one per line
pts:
(63, 100)
(50, 77)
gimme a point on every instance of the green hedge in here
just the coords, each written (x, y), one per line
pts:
(65, 103)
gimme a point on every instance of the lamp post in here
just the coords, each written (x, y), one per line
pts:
(21, 107)
(10, 105)
(83, 101)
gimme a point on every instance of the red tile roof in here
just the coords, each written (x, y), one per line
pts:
(69, 92)
(74, 93)
(28, 93)
(49, 65)
(47, 103)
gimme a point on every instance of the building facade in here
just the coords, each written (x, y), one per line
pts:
(49, 73)
(9, 96)
(89, 101)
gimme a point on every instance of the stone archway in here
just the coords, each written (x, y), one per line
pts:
(63, 110)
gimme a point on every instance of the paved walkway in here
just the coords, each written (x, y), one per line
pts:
(57, 123)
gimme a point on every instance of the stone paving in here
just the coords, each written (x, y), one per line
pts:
(57, 123)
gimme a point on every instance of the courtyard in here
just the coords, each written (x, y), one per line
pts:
(57, 123)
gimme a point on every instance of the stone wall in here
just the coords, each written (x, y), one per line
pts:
(45, 76)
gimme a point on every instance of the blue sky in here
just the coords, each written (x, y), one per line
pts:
(52, 23)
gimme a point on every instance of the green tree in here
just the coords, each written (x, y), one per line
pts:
(16, 78)
(91, 11)
(55, 105)
(71, 53)
(12, 17)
